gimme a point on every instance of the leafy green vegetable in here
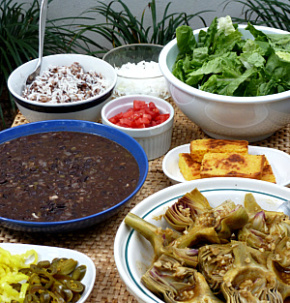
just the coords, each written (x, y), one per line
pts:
(221, 61)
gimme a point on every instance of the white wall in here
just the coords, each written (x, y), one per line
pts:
(60, 8)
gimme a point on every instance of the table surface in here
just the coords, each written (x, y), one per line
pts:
(97, 241)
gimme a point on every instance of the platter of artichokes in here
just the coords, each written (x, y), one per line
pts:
(207, 241)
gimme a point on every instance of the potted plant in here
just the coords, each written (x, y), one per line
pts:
(271, 13)
(122, 27)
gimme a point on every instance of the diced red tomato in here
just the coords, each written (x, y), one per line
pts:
(138, 104)
(128, 113)
(141, 115)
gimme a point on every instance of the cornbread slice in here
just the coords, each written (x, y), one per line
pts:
(200, 147)
(232, 165)
(189, 167)
(268, 174)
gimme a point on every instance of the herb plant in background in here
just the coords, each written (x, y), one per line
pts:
(271, 13)
(19, 40)
(122, 27)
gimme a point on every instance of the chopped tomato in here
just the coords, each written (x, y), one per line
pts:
(141, 115)
(128, 113)
(138, 104)
(162, 117)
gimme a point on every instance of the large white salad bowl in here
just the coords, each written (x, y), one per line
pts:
(226, 117)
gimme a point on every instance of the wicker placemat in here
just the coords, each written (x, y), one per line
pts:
(97, 241)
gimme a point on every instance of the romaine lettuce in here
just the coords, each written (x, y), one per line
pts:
(221, 61)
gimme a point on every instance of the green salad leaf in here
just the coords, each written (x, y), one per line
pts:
(222, 62)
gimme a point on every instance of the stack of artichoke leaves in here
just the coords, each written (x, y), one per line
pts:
(230, 253)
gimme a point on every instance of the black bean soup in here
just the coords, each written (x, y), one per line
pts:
(59, 176)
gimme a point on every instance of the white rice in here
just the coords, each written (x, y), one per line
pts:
(141, 78)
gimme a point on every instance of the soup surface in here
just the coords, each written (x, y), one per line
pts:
(59, 176)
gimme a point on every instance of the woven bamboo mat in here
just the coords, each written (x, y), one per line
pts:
(97, 241)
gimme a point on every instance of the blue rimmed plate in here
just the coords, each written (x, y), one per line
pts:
(133, 254)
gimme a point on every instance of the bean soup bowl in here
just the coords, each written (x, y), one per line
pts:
(45, 203)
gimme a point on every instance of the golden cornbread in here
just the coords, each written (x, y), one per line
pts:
(232, 165)
(268, 174)
(189, 167)
(200, 147)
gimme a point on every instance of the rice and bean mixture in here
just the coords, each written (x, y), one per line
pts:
(65, 84)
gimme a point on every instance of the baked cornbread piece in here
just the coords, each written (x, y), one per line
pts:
(268, 174)
(189, 167)
(200, 147)
(232, 165)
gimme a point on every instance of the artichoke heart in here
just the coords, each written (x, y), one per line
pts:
(214, 226)
(249, 280)
(182, 214)
(161, 240)
(173, 283)
(264, 228)
(279, 264)
(214, 261)
(186, 256)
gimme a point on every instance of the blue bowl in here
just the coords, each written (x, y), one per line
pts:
(76, 126)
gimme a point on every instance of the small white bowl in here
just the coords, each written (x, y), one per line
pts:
(155, 140)
(88, 110)
(227, 117)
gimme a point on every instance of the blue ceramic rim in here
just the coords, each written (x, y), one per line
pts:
(64, 107)
(86, 127)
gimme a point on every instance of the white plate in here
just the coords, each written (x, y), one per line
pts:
(279, 161)
(133, 254)
(49, 253)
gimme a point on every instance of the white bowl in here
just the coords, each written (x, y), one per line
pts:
(226, 117)
(133, 254)
(82, 110)
(277, 159)
(155, 140)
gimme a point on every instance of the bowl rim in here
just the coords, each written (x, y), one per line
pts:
(113, 50)
(53, 106)
(137, 131)
(210, 96)
(68, 125)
